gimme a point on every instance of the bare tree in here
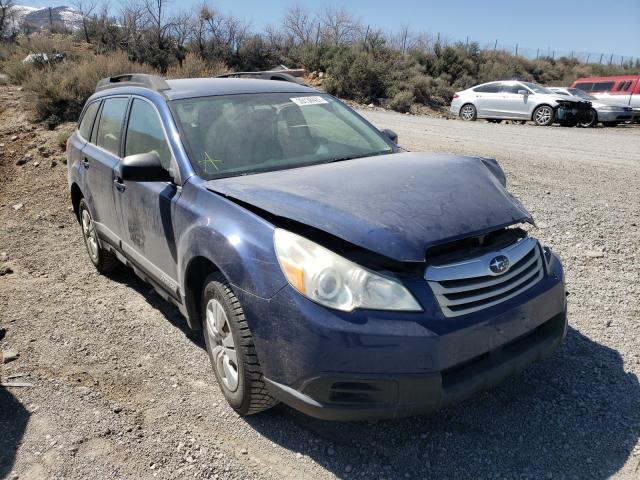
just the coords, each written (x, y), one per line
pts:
(6, 7)
(338, 25)
(85, 8)
(182, 30)
(298, 23)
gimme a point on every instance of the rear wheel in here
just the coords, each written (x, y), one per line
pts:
(104, 260)
(611, 124)
(468, 113)
(591, 120)
(231, 349)
(543, 116)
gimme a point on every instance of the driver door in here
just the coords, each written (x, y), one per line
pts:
(515, 104)
(147, 209)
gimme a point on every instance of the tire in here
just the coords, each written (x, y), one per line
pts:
(494, 120)
(468, 113)
(105, 261)
(543, 115)
(519, 122)
(592, 119)
(611, 124)
(231, 350)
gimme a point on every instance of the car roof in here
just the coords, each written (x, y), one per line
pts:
(206, 87)
(609, 78)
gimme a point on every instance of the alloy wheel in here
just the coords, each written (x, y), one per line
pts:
(543, 115)
(225, 358)
(90, 236)
(468, 112)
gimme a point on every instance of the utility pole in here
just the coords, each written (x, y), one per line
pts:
(600, 61)
(611, 59)
(588, 56)
(537, 53)
(516, 49)
(50, 20)
(495, 46)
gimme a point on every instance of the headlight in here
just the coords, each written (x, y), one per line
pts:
(609, 108)
(335, 282)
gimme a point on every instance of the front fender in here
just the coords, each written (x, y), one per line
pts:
(238, 242)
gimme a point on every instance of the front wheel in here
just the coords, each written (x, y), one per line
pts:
(468, 113)
(231, 350)
(104, 260)
(543, 116)
(591, 120)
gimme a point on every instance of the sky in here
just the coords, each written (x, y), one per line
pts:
(561, 25)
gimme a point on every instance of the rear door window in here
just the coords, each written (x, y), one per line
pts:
(110, 125)
(145, 133)
(86, 124)
(488, 88)
(602, 86)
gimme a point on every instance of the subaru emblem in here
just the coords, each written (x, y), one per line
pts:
(499, 264)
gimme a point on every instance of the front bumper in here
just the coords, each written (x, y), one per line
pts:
(614, 116)
(371, 365)
(366, 397)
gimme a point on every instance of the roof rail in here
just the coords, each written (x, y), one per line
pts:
(152, 82)
(265, 75)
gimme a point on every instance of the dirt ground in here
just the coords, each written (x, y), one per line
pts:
(121, 389)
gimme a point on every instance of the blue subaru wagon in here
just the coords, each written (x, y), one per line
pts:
(327, 268)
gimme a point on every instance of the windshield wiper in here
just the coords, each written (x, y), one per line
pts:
(353, 157)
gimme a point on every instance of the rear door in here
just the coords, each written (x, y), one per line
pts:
(99, 158)
(147, 209)
(488, 100)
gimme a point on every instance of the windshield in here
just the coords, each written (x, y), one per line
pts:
(230, 135)
(579, 93)
(537, 88)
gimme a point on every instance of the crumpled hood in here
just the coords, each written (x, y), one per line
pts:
(397, 205)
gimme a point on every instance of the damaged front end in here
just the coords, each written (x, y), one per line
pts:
(571, 112)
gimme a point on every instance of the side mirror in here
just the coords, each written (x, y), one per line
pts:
(523, 92)
(390, 134)
(143, 167)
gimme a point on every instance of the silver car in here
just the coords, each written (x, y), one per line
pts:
(515, 100)
(609, 113)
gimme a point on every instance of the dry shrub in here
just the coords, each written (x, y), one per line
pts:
(18, 72)
(194, 66)
(61, 92)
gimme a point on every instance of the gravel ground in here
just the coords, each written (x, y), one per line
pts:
(121, 389)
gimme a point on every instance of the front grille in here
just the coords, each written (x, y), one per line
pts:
(470, 285)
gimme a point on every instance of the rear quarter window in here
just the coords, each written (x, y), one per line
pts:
(86, 123)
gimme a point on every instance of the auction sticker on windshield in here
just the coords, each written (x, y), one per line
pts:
(312, 100)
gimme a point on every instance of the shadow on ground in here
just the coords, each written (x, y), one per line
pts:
(574, 415)
(13, 423)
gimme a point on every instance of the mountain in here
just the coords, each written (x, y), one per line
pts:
(33, 19)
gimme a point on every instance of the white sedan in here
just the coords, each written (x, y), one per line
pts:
(515, 100)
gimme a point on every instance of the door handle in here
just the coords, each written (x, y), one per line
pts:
(120, 186)
(85, 162)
